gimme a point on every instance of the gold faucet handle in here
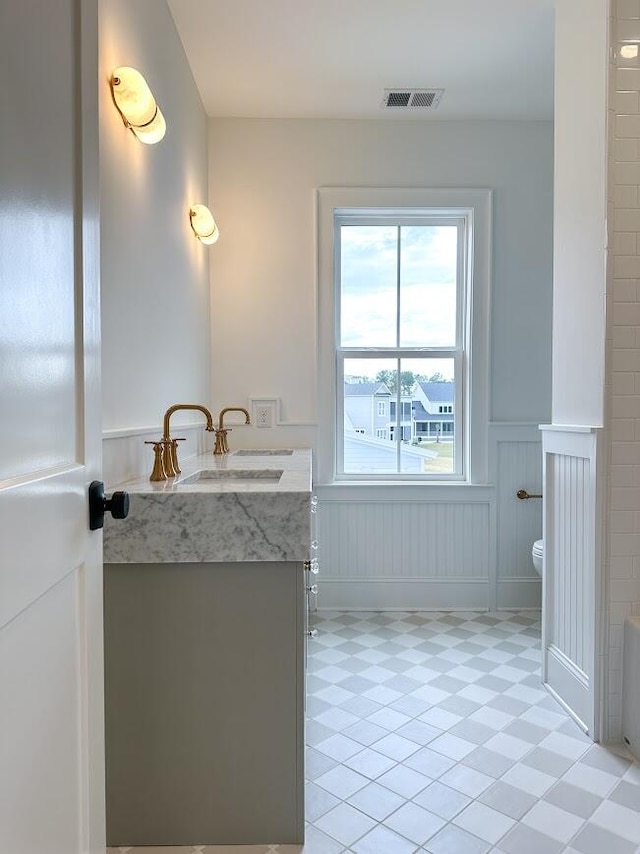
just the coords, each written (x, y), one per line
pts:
(158, 473)
(172, 450)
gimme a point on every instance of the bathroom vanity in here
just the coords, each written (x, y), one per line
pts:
(205, 634)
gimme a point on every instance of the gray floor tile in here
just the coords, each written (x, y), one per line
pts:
(508, 799)
(525, 840)
(627, 794)
(600, 757)
(454, 840)
(596, 840)
(572, 799)
(442, 800)
(547, 762)
(489, 762)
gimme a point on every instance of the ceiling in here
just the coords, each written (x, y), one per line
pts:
(335, 58)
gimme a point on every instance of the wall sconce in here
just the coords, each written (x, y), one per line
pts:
(203, 224)
(137, 106)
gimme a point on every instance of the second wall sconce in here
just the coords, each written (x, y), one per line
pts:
(136, 105)
(203, 224)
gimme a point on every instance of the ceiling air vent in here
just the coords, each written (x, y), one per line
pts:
(407, 98)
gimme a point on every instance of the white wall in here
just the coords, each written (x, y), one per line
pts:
(155, 274)
(579, 212)
(263, 177)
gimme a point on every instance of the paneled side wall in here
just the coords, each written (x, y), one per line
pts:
(432, 547)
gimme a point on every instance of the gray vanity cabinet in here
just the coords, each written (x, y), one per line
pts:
(205, 703)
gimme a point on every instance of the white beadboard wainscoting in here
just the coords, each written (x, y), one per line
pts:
(436, 546)
(573, 597)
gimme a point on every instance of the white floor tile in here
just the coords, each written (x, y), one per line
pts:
(483, 821)
(345, 824)
(415, 823)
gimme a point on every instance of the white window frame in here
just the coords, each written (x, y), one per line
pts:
(472, 408)
(382, 408)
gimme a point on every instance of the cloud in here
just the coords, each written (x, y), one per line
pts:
(369, 256)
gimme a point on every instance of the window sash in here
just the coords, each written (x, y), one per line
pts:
(426, 353)
(460, 431)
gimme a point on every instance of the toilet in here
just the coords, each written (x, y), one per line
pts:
(537, 554)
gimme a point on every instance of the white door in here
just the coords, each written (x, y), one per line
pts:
(51, 675)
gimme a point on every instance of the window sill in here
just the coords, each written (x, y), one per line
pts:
(405, 491)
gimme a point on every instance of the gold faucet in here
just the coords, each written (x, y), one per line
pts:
(169, 445)
(222, 446)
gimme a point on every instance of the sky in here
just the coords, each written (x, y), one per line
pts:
(369, 261)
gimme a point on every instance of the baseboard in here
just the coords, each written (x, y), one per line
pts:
(405, 594)
(575, 698)
(519, 593)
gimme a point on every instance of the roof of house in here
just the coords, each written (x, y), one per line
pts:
(441, 392)
(420, 414)
(364, 389)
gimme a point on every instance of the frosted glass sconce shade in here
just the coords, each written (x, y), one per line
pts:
(203, 224)
(137, 105)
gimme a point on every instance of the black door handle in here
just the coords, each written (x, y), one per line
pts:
(117, 505)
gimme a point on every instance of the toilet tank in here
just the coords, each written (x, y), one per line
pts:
(631, 685)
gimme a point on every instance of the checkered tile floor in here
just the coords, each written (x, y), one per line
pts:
(430, 732)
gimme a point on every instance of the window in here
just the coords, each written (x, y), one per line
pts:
(396, 310)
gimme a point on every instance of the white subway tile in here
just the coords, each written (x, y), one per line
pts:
(625, 267)
(627, 314)
(628, 31)
(625, 149)
(627, 173)
(619, 612)
(622, 522)
(625, 196)
(627, 79)
(621, 384)
(624, 589)
(626, 103)
(627, 9)
(625, 290)
(627, 127)
(625, 453)
(624, 243)
(625, 360)
(626, 219)
(623, 338)
(623, 430)
(621, 475)
(624, 498)
(615, 636)
(622, 59)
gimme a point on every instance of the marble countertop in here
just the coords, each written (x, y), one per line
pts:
(246, 507)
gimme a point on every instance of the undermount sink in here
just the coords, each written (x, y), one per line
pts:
(264, 453)
(234, 475)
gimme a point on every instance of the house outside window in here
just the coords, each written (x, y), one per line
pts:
(396, 320)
